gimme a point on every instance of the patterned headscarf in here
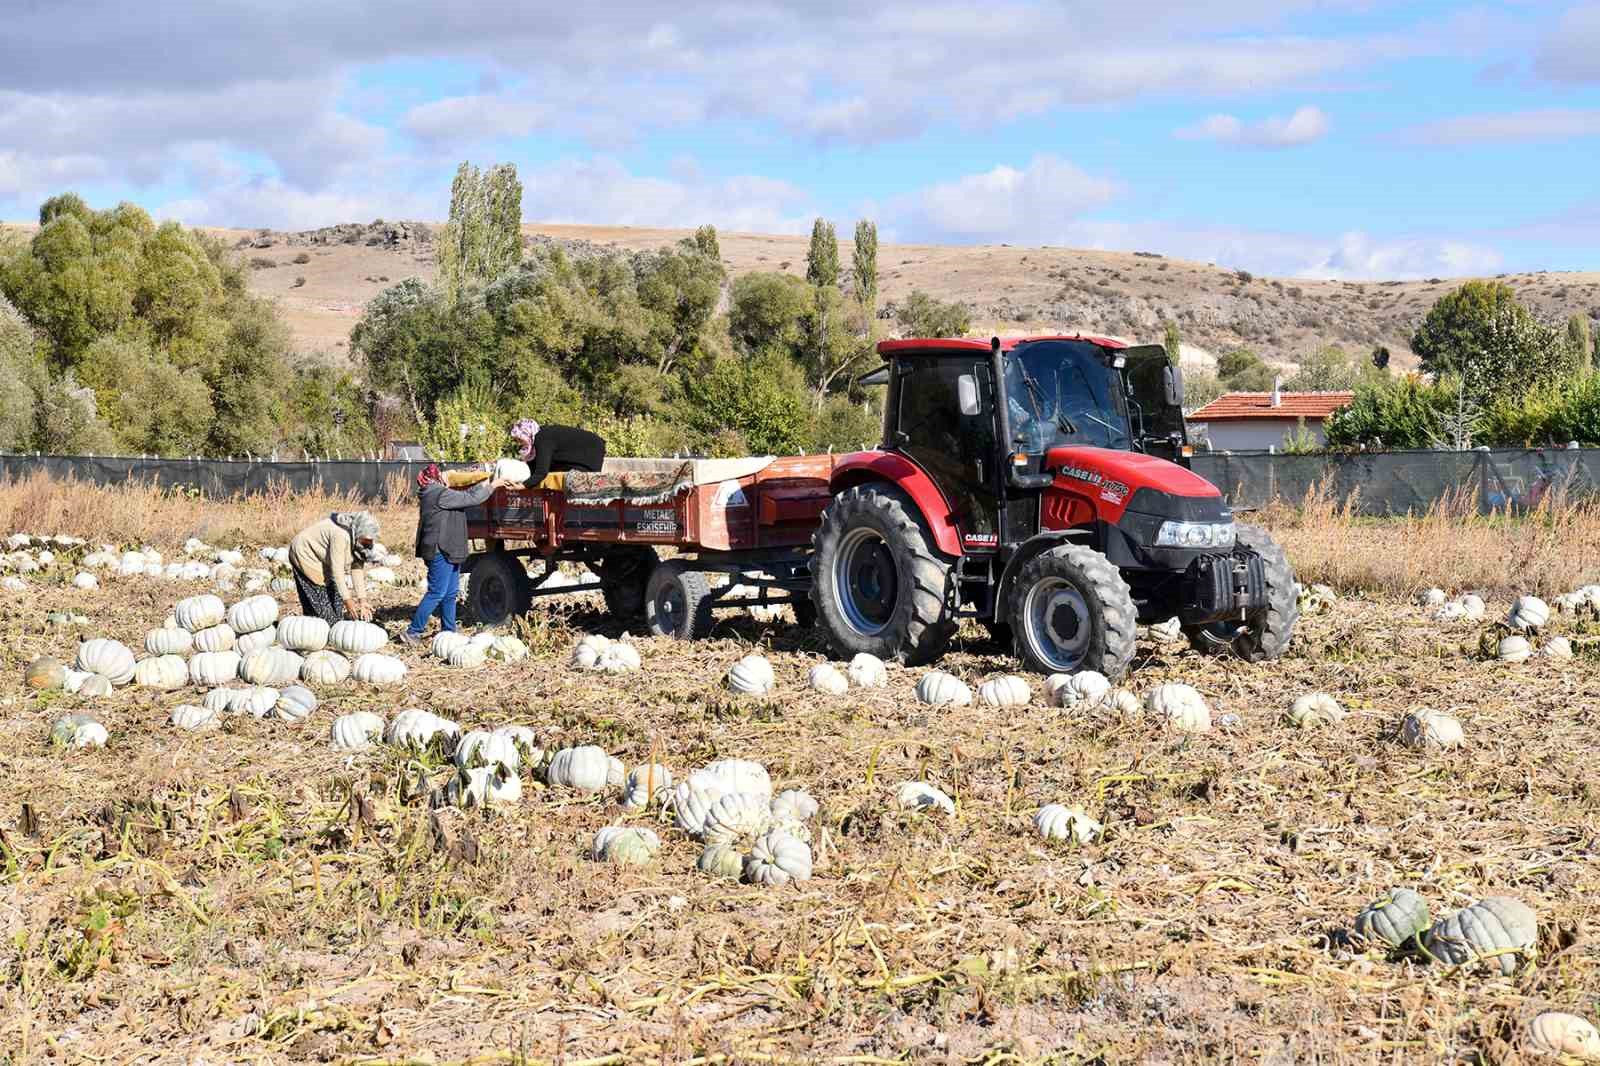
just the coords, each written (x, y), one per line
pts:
(361, 526)
(430, 476)
(524, 431)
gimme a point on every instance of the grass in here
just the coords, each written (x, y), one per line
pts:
(251, 895)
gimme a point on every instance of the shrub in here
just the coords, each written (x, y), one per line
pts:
(261, 262)
(298, 282)
(303, 258)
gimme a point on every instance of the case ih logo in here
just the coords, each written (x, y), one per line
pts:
(1110, 491)
(1078, 473)
(981, 540)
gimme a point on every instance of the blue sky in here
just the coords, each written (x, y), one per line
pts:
(1334, 138)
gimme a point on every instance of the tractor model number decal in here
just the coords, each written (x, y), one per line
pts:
(1113, 491)
(1110, 491)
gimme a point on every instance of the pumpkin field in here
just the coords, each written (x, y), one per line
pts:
(546, 847)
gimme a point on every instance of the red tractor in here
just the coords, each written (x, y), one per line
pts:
(1038, 485)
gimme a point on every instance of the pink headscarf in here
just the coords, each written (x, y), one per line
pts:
(524, 431)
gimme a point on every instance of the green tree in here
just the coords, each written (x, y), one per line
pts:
(1451, 333)
(834, 343)
(765, 310)
(1242, 370)
(705, 242)
(1580, 346)
(1330, 369)
(1173, 342)
(483, 237)
(864, 266)
(922, 315)
(502, 193)
(1399, 412)
(469, 425)
(678, 288)
(761, 400)
(822, 258)
(1482, 333)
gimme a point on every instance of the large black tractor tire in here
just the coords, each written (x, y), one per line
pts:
(677, 602)
(498, 589)
(1070, 611)
(1264, 634)
(1001, 633)
(624, 571)
(877, 581)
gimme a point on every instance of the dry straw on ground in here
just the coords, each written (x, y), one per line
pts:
(251, 895)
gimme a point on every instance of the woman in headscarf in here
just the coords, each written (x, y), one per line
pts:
(547, 448)
(329, 562)
(442, 544)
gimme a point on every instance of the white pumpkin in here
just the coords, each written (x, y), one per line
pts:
(1086, 688)
(78, 731)
(84, 580)
(257, 701)
(693, 799)
(221, 699)
(867, 671)
(719, 860)
(375, 669)
(506, 649)
(214, 667)
(261, 639)
(586, 653)
(1423, 729)
(165, 673)
(196, 719)
(168, 641)
(1513, 649)
(72, 680)
(271, 666)
(356, 730)
(1451, 612)
(647, 784)
(479, 747)
(736, 818)
(1473, 605)
(1565, 1036)
(484, 786)
(778, 858)
(1314, 709)
(921, 796)
(419, 729)
(216, 638)
(1179, 706)
(303, 633)
(294, 704)
(619, 658)
(793, 805)
(586, 768)
(468, 656)
(94, 686)
(112, 659)
(826, 679)
(526, 742)
(1054, 821)
(357, 638)
(1528, 613)
(1433, 597)
(740, 775)
(751, 676)
(939, 689)
(325, 668)
(1556, 648)
(253, 614)
(195, 613)
(625, 845)
(445, 642)
(1008, 690)
(511, 470)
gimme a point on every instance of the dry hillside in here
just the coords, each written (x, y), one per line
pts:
(1012, 288)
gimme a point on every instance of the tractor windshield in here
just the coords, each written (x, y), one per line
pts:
(1062, 393)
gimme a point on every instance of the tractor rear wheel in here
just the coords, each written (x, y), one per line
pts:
(878, 583)
(1071, 610)
(623, 572)
(1264, 634)
(677, 602)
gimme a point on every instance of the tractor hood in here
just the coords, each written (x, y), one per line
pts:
(1119, 475)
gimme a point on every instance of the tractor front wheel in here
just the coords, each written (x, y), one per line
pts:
(878, 583)
(1265, 633)
(1071, 611)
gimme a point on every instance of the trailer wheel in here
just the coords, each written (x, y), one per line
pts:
(878, 584)
(623, 572)
(677, 602)
(1265, 633)
(498, 588)
(1071, 610)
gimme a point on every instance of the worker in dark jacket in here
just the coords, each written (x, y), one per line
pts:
(547, 448)
(442, 544)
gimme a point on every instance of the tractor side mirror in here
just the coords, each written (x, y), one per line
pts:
(1172, 382)
(967, 394)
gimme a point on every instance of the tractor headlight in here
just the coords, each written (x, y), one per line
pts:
(1196, 535)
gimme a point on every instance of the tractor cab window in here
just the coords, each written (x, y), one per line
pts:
(1062, 393)
(958, 450)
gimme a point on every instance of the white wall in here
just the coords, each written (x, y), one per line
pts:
(1256, 434)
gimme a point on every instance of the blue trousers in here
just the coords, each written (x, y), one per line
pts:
(444, 584)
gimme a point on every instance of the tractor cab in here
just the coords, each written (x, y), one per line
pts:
(1041, 486)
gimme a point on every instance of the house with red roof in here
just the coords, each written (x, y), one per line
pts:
(1257, 421)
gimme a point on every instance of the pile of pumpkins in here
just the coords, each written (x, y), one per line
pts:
(1498, 933)
(1517, 639)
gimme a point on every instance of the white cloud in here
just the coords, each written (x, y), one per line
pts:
(1002, 204)
(481, 117)
(602, 191)
(1306, 125)
(1571, 52)
(1543, 124)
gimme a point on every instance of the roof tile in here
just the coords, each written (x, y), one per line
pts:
(1233, 406)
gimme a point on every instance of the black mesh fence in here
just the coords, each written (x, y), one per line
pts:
(219, 478)
(1381, 483)
(1392, 483)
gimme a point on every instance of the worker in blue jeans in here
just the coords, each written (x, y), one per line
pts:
(442, 544)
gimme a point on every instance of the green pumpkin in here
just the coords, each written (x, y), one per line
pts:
(45, 673)
(1395, 919)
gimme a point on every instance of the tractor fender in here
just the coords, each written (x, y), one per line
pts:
(1029, 549)
(863, 468)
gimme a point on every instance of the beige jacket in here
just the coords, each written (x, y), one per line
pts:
(322, 554)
